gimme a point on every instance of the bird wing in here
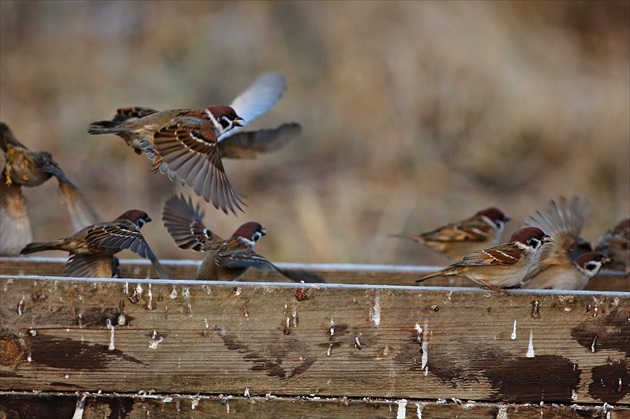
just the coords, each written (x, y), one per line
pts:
(184, 223)
(15, 226)
(248, 144)
(195, 160)
(474, 229)
(242, 258)
(81, 213)
(258, 98)
(92, 266)
(7, 138)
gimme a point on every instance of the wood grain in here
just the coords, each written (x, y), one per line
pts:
(329, 340)
(138, 406)
(329, 273)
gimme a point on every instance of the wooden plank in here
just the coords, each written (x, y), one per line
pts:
(135, 406)
(61, 334)
(330, 273)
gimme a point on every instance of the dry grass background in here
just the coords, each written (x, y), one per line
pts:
(414, 113)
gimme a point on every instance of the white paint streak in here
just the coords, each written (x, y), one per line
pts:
(419, 407)
(150, 294)
(375, 312)
(425, 348)
(502, 413)
(530, 347)
(513, 336)
(173, 294)
(110, 326)
(402, 409)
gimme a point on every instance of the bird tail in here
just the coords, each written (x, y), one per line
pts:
(105, 127)
(414, 237)
(433, 275)
(40, 247)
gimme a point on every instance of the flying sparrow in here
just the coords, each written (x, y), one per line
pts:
(227, 259)
(188, 144)
(502, 266)
(94, 247)
(562, 220)
(571, 276)
(616, 243)
(30, 168)
(457, 239)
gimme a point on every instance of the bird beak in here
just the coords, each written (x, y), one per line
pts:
(148, 219)
(263, 231)
(606, 259)
(546, 238)
(238, 122)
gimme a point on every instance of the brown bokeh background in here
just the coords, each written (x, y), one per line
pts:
(415, 114)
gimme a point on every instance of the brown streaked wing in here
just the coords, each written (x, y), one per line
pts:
(472, 229)
(243, 258)
(184, 223)
(132, 112)
(81, 213)
(197, 163)
(92, 266)
(499, 255)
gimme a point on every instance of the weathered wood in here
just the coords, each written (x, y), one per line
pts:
(138, 406)
(329, 273)
(61, 334)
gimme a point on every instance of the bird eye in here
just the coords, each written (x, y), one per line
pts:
(499, 224)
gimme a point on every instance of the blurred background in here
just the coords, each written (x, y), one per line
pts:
(415, 114)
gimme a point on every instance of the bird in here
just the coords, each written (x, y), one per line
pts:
(616, 243)
(571, 276)
(563, 220)
(93, 248)
(188, 144)
(502, 266)
(227, 259)
(457, 239)
(29, 168)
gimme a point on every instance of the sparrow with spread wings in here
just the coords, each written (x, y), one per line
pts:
(93, 248)
(227, 259)
(28, 168)
(188, 144)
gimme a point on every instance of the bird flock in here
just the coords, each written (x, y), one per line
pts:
(188, 146)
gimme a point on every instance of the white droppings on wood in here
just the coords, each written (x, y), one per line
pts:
(357, 342)
(530, 347)
(126, 288)
(513, 335)
(186, 293)
(401, 413)
(593, 344)
(595, 310)
(205, 322)
(110, 326)
(29, 357)
(329, 351)
(294, 316)
(332, 327)
(567, 309)
(150, 295)
(32, 332)
(574, 395)
(173, 294)
(153, 344)
(502, 413)
(20, 306)
(139, 290)
(78, 410)
(425, 348)
(419, 331)
(122, 320)
(375, 312)
(246, 392)
(238, 291)
(419, 407)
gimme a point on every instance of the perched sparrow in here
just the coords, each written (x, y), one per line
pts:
(616, 244)
(457, 239)
(562, 220)
(574, 276)
(226, 259)
(94, 247)
(29, 168)
(188, 144)
(502, 266)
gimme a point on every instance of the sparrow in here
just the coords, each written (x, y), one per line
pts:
(227, 259)
(616, 243)
(502, 266)
(25, 167)
(563, 220)
(188, 144)
(457, 239)
(572, 276)
(93, 248)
